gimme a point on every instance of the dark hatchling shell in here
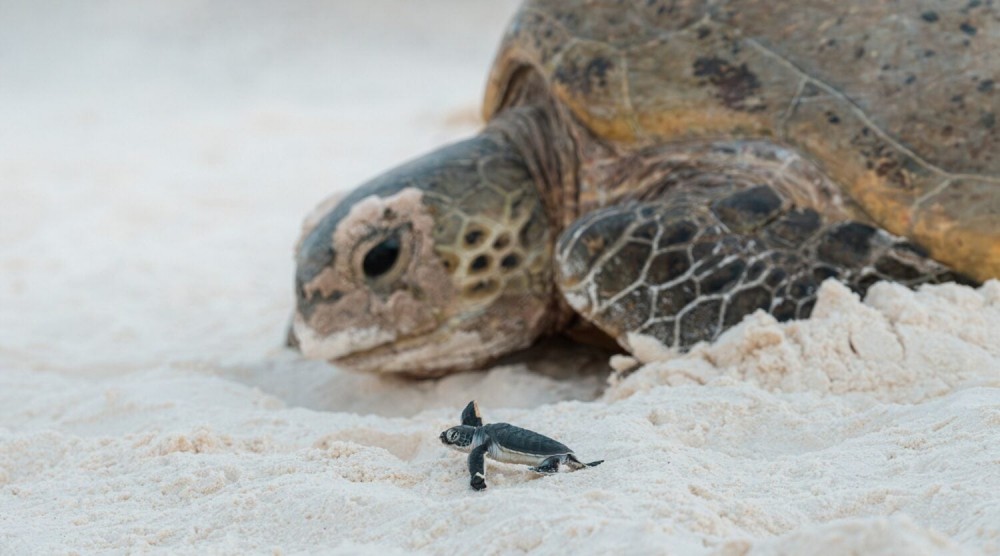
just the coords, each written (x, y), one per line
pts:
(525, 441)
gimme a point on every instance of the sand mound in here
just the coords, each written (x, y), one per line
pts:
(901, 346)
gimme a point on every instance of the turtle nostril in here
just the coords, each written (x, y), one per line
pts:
(306, 298)
(315, 256)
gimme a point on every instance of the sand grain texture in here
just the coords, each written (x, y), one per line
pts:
(155, 166)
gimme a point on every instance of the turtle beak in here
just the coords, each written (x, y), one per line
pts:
(443, 439)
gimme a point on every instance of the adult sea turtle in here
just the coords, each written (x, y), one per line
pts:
(665, 167)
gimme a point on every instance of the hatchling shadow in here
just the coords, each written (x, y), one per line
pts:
(553, 371)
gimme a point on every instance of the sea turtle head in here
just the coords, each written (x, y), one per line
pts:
(441, 264)
(458, 437)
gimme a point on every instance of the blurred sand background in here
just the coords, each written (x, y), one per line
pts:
(156, 160)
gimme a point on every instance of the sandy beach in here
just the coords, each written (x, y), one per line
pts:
(156, 162)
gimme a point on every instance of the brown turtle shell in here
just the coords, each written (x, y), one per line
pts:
(896, 101)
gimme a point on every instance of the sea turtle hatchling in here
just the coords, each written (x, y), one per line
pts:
(663, 168)
(507, 444)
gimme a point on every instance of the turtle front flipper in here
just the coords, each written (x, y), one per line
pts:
(471, 416)
(477, 465)
(693, 263)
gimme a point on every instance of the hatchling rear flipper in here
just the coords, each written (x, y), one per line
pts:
(551, 464)
(575, 464)
(548, 465)
(690, 265)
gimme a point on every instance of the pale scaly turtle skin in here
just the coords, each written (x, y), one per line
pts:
(664, 168)
(507, 444)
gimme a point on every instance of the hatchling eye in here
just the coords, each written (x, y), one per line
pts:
(452, 435)
(382, 257)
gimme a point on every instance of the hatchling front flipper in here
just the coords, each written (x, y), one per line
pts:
(477, 464)
(686, 266)
(471, 416)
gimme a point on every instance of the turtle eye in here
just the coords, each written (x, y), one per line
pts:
(452, 436)
(381, 258)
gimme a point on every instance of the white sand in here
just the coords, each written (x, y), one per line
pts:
(155, 163)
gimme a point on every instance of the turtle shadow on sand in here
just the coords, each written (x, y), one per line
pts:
(554, 370)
